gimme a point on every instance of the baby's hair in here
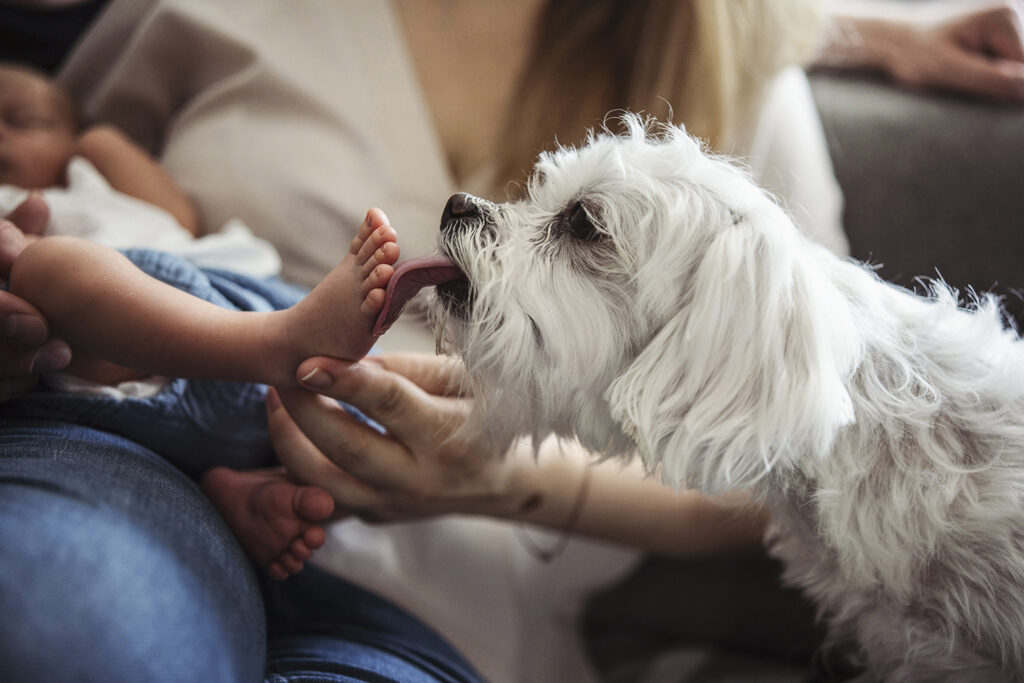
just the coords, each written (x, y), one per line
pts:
(68, 108)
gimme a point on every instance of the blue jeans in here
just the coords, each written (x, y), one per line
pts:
(193, 424)
(114, 567)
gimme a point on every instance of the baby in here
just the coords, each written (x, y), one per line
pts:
(41, 135)
(139, 313)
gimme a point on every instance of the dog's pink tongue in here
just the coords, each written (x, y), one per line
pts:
(410, 277)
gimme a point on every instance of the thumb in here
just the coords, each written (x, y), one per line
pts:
(32, 215)
(390, 399)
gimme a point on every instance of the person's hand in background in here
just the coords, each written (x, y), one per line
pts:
(976, 49)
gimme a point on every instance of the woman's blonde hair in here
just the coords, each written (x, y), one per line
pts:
(696, 62)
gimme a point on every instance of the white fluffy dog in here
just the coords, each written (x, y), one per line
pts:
(647, 298)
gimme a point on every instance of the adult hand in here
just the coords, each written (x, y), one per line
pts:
(424, 465)
(972, 49)
(980, 52)
(25, 345)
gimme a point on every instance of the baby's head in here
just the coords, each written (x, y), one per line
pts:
(38, 128)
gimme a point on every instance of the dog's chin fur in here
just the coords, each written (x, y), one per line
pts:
(695, 327)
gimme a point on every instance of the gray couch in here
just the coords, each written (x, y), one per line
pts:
(934, 184)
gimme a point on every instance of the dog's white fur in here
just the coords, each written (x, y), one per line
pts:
(698, 329)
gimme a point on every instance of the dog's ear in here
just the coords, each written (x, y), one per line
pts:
(751, 371)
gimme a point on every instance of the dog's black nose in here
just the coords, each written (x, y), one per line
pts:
(460, 205)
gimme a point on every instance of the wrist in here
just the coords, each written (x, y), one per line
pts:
(862, 43)
(539, 485)
(871, 35)
(510, 484)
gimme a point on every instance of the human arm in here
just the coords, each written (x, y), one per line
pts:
(129, 169)
(425, 466)
(976, 48)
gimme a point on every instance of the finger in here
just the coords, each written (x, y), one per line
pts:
(367, 459)
(439, 375)
(18, 362)
(21, 322)
(31, 216)
(12, 242)
(306, 463)
(403, 408)
(53, 356)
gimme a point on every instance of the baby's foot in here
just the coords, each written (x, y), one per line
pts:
(336, 319)
(278, 523)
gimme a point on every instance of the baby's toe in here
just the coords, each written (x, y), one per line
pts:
(312, 503)
(377, 278)
(300, 550)
(290, 563)
(276, 571)
(314, 537)
(373, 302)
(385, 234)
(386, 255)
(374, 219)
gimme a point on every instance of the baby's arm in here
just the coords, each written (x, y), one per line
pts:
(129, 169)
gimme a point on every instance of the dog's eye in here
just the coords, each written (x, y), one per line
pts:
(577, 223)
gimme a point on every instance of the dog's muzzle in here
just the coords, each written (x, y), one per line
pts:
(461, 211)
(437, 270)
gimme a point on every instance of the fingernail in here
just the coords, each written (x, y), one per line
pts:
(51, 359)
(21, 328)
(318, 379)
(273, 400)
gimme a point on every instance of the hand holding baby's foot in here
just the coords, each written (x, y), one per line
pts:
(278, 523)
(22, 226)
(336, 319)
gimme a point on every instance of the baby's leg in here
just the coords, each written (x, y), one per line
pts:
(336, 319)
(279, 524)
(103, 305)
(32, 215)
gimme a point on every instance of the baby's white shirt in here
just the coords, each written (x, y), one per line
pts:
(90, 208)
